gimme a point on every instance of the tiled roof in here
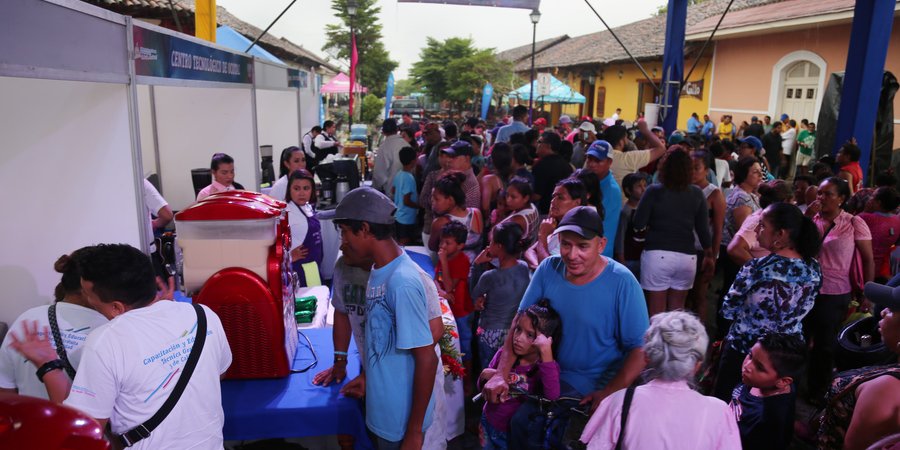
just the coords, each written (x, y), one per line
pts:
(519, 53)
(282, 48)
(790, 9)
(644, 38)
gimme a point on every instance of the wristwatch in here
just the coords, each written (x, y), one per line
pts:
(56, 364)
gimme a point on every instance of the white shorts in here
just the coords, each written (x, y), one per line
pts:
(803, 160)
(662, 270)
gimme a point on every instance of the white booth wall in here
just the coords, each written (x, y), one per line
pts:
(194, 123)
(309, 106)
(68, 185)
(276, 121)
(148, 137)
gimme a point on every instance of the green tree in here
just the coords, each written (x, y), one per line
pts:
(372, 107)
(404, 87)
(374, 61)
(456, 71)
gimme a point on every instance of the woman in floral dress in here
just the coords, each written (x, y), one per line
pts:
(772, 293)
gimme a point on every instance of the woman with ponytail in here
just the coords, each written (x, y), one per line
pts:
(72, 320)
(498, 292)
(772, 293)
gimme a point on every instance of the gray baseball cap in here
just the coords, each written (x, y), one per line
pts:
(365, 204)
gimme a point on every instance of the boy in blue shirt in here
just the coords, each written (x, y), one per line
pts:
(764, 403)
(406, 197)
(401, 363)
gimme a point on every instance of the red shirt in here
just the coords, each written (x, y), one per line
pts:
(459, 270)
(856, 170)
(885, 229)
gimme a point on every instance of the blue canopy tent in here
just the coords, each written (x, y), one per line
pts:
(559, 93)
(227, 37)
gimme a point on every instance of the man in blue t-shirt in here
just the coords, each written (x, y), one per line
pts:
(598, 159)
(400, 363)
(693, 124)
(519, 114)
(709, 127)
(603, 317)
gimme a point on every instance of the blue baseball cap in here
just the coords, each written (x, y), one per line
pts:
(600, 149)
(784, 117)
(676, 138)
(752, 141)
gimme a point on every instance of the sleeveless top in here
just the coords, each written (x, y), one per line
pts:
(532, 222)
(473, 239)
(707, 191)
(841, 400)
(856, 170)
(736, 198)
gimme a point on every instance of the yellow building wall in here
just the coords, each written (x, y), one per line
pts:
(622, 91)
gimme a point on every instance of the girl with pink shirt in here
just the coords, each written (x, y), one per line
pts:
(535, 338)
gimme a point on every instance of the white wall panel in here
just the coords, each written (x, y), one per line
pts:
(192, 124)
(66, 166)
(277, 124)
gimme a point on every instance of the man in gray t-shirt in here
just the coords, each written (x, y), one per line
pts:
(348, 297)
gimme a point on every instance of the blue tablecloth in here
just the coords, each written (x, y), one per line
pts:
(293, 406)
(424, 261)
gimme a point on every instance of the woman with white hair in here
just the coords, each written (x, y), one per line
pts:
(666, 412)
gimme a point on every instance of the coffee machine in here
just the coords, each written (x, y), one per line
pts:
(341, 175)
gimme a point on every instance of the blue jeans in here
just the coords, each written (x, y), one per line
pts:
(464, 328)
(492, 438)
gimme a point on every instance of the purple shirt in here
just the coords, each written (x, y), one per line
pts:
(544, 382)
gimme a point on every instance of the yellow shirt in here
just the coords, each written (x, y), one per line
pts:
(726, 131)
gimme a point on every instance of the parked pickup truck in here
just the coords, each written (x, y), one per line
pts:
(413, 106)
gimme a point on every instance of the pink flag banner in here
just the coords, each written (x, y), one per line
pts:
(354, 59)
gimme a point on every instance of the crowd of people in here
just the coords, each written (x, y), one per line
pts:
(578, 262)
(569, 256)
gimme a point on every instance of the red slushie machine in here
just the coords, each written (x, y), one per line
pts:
(236, 260)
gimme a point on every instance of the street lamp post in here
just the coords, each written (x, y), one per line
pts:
(535, 18)
(351, 13)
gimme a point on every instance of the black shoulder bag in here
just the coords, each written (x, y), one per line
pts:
(57, 339)
(626, 405)
(143, 430)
